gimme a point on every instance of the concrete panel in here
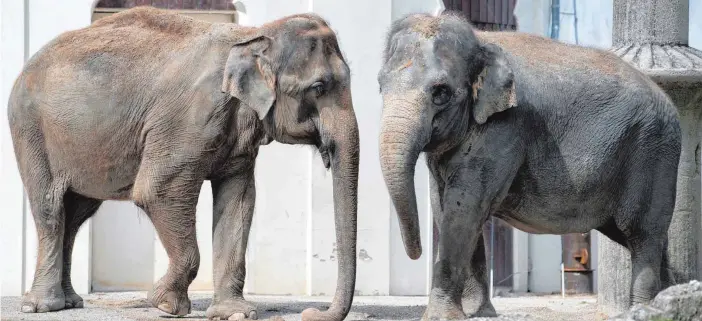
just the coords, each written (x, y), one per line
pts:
(520, 259)
(277, 244)
(544, 263)
(12, 55)
(533, 16)
(321, 236)
(122, 249)
(695, 31)
(594, 258)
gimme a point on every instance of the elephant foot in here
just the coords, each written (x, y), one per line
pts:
(73, 300)
(443, 311)
(43, 301)
(479, 310)
(485, 311)
(169, 301)
(231, 309)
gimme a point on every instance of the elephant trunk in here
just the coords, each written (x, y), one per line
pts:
(342, 129)
(401, 140)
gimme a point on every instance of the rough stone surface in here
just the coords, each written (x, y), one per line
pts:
(652, 35)
(681, 302)
(664, 63)
(634, 23)
(133, 306)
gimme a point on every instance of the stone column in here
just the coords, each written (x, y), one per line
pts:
(652, 35)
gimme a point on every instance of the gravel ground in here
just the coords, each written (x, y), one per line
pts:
(133, 306)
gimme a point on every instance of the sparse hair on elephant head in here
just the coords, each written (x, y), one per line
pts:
(248, 74)
(439, 81)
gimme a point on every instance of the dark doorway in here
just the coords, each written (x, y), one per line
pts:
(486, 14)
(169, 4)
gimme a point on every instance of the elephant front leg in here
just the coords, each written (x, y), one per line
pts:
(460, 208)
(458, 237)
(233, 211)
(476, 294)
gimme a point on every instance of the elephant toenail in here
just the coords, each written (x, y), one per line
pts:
(28, 309)
(165, 307)
(237, 317)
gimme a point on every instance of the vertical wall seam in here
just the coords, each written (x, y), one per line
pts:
(430, 240)
(308, 236)
(310, 183)
(23, 283)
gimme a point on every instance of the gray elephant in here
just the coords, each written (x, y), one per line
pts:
(145, 105)
(549, 137)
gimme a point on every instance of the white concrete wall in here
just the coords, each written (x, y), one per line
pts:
(22, 35)
(12, 55)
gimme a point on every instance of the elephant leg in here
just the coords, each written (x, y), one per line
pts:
(168, 194)
(78, 209)
(476, 294)
(233, 211)
(174, 221)
(46, 201)
(644, 217)
(458, 238)
(646, 258)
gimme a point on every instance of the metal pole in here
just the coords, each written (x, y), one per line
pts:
(555, 18)
(562, 281)
(575, 20)
(492, 255)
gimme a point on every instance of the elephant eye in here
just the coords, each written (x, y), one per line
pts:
(440, 94)
(319, 89)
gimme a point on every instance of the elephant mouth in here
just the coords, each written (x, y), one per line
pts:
(325, 152)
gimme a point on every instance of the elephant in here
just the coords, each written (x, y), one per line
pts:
(549, 137)
(144, 106)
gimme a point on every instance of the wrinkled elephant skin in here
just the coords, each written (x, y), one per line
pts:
(551, 138)
(145, 105)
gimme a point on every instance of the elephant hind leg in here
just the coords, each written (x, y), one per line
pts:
(168, 193)
(78, 209)
(45, 191)
(645, 213)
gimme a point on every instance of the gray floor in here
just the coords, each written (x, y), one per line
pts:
(133, 306)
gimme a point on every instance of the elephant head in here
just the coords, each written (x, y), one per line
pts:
(292, 74)
(439, 83)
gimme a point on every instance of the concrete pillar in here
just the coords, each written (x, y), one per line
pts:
(653, 35)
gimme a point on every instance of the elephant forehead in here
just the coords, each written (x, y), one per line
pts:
(416, 64)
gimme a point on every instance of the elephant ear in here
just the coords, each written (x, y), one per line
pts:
(248, 75)
(494, 89)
